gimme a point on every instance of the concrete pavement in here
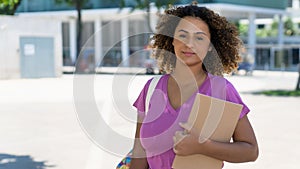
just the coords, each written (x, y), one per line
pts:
(41, 126)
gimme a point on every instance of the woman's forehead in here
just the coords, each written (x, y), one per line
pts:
(192, 25)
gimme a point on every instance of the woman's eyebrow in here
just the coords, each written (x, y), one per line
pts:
(200, 33)
(181, 30)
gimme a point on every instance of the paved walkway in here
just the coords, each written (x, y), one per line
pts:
(41, 129)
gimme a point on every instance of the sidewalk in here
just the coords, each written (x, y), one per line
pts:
(40, 126)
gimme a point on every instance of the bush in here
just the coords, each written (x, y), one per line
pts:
(295, 93)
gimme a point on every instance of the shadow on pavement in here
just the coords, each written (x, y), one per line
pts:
(8, 161)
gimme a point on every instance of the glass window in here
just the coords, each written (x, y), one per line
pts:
(295, 56)
(290, 3)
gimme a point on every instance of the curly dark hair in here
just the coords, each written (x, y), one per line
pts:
(225, 40)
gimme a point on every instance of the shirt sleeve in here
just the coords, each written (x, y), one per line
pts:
(140, 101)
(233, 96)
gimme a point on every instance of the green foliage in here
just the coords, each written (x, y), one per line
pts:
(274, 24)
(295, 93)
(289, 27)
(273, 32)
(243, 29)
(262, 33)
(164, 3)
(8, 7)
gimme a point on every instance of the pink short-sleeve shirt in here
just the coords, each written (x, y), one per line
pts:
(162, 120)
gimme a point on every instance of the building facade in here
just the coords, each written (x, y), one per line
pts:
(114, 37)
(28, 50)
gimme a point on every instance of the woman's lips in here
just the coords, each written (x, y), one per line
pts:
(188, 53)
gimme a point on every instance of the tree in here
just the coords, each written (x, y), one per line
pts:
(78, 4)
(289, 29)
(9, 7)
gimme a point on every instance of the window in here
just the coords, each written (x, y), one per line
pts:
(260, 26)
(290, 3)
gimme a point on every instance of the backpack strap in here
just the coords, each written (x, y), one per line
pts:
(150, 91)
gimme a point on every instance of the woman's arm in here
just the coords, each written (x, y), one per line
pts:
(139, 160)
(244, 147)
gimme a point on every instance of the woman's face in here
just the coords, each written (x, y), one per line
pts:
(191, 40)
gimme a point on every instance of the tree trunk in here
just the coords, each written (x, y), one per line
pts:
(79, 27)
(81, 64)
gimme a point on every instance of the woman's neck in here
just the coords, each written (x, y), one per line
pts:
(187, 74)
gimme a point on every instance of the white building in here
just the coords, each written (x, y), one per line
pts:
(30, 48)
(111, 36)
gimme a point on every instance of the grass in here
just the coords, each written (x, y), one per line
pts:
(295, 93)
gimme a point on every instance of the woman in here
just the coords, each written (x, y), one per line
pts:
(193, 46)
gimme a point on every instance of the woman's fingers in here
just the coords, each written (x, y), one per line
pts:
(186, 127)
(179, 135)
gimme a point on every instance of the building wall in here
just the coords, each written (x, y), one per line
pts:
(12, 28)
(109, 47)
(50, 5)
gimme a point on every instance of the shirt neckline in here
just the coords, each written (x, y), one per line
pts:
(169, 106)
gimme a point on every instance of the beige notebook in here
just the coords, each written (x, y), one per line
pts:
(212, 118)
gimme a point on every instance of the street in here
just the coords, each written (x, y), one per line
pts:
(45, 123)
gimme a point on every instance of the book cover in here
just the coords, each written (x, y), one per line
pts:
(212, 118)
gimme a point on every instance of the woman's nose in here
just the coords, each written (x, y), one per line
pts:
(189, 43)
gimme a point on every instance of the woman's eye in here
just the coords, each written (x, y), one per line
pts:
(199, 38)
(182, 36)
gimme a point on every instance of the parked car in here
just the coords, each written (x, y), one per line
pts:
(150, 65)
(247, 67)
